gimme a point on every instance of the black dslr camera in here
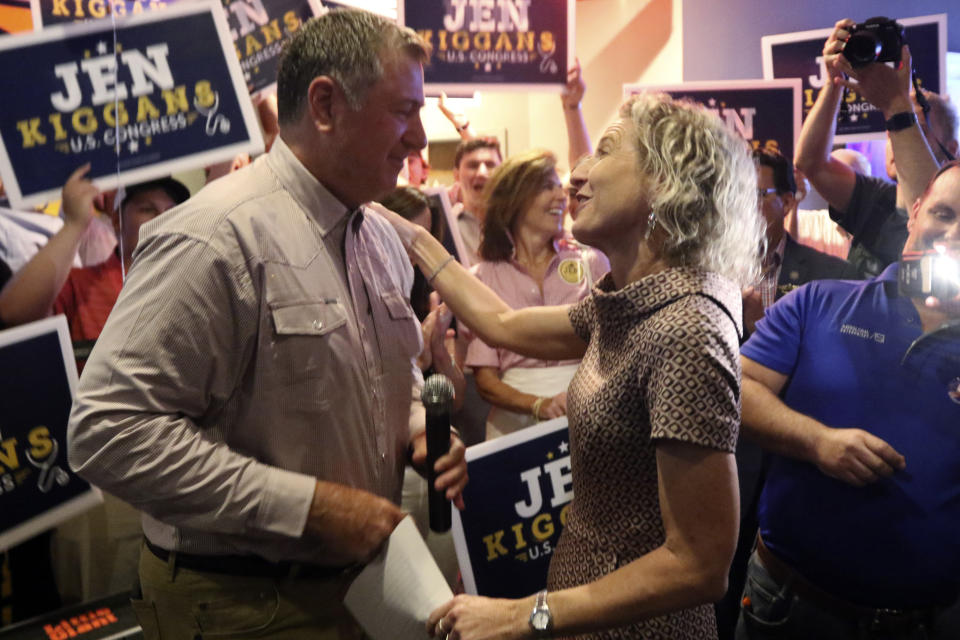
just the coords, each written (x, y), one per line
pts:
(876, 40)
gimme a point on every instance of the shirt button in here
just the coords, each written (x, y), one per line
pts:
(317, 324)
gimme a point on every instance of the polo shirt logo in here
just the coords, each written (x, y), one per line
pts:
(860, 332)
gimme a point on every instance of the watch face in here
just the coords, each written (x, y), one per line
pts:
(540, 620)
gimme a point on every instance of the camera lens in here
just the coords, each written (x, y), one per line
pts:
(862, 48)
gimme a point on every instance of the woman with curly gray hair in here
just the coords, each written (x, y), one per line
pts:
(654, 408)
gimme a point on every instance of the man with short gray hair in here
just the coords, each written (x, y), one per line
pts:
(251, 392)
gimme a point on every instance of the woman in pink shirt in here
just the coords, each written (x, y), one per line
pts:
(526, 260)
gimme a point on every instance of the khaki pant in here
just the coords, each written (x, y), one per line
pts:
(182, 604)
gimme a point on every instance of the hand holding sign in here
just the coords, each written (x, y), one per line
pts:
(78, 196)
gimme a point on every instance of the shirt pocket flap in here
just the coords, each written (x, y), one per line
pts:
(397, 305)
(307, 318)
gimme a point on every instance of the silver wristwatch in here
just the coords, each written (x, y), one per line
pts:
(541, 620)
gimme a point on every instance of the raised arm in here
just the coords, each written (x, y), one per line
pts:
(888, 89)
(539, 332)
(458, 120)
(31, 292)
(852, 455)
(578, 140)
(831, 178)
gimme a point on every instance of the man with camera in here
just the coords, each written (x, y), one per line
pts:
(861, 507)
(872, 209)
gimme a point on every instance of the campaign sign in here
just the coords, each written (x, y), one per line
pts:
(38, 377)
(259, 29)
(50, 12)
(109, 618)
(452, 240)
(163, 93)
(800, 55)
(765, 112)
(520, 487)
(507, 45)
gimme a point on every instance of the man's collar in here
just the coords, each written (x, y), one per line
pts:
(775, 258)
(312, 196)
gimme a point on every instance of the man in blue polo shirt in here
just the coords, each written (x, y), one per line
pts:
(860, 515)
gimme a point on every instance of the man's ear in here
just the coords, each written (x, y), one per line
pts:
(914, 213)
(322, 98)
(789, 203)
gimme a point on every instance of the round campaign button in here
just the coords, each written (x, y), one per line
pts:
(571, 271)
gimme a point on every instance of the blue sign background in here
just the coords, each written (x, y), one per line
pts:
(68, 11)
(259, 50)
(459, 57)
(799, 60)
(772, 122)
(35, 394)
(195, 55)
(518, 566)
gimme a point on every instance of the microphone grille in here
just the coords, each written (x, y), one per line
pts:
(437, 390)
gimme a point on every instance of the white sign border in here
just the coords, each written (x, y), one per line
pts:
(452, 224)
(468, 88)
(482, 450)
(254, 145)
(767, 43)
(86, 500)
(705, 85)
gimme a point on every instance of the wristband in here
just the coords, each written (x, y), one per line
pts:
(535, 410)
(437, 271)
(464, 126)
(901, 121)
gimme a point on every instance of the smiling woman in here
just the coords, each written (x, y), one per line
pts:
(654, 407)
(528, 263)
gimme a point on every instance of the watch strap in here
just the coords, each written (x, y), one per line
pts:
(541, 620)
(901, 121)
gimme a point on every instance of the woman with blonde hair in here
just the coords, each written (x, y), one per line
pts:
(526, 261)
(654, 408)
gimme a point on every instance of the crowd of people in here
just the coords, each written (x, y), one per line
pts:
(751, 458)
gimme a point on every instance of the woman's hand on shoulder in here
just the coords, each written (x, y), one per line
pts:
(405, 229)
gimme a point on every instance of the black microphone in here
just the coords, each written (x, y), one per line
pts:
(437, 399)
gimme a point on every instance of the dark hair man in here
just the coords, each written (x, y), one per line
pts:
(473, 162)
(787, 263)
(251, 392)
(872, 210)
(858, 516)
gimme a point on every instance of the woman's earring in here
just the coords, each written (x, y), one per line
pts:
(651, 223)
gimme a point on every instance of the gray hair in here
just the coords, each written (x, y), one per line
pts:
(704, 186)
(348, 45)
